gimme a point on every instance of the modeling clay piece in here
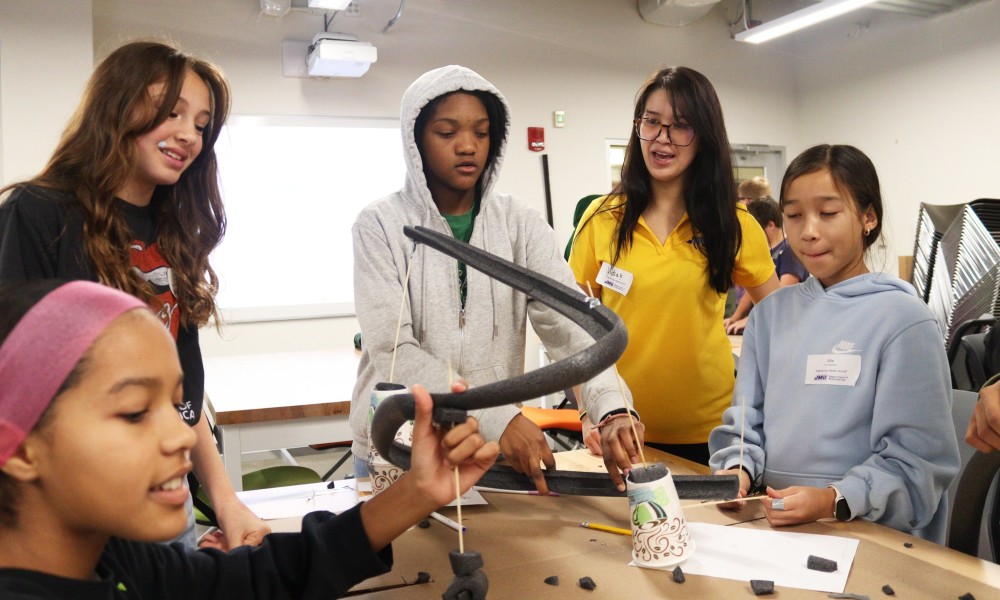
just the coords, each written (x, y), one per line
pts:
(908, 544)
(967, 596)
(888, 591)
(553, 580)
(423, 576)
(678, 575)
(470, 582)
(424, 524)
(587, 583)
(761, 587)
(818, 563)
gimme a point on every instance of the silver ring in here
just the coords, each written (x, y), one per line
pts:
(778, 504)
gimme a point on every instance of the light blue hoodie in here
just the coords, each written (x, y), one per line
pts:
(888, 442)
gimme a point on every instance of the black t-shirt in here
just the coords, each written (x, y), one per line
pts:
(41, 237)
(327, 558)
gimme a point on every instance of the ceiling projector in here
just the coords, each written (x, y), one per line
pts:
(339, 55)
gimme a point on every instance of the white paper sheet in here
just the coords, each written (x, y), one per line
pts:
(745, 554)
(298, 500)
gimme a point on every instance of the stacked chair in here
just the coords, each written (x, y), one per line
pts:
(956, 268)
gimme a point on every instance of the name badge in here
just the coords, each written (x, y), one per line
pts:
(833, 369)
(614, 279)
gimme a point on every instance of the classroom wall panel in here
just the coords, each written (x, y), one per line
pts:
(46, 55)
(586, 58)
(922, 102)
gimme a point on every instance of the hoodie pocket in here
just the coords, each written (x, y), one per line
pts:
(483, 375)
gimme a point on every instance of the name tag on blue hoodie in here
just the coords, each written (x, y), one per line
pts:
(833, 369)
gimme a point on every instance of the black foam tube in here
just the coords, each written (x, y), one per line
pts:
(597, 320)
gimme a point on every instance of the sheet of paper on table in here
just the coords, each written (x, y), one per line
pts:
(298, 500)
(745, 554)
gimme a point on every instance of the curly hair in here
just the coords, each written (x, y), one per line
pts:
(96, 155)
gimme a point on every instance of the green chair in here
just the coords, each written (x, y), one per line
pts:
(581, 207)
(271, 477)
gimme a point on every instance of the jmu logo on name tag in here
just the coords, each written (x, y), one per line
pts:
(833, 369)
(615, 279)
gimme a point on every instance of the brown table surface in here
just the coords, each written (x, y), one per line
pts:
(525, 539)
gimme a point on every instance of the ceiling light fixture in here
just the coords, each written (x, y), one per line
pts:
(800, 19)
(329, 4)
(275, 8)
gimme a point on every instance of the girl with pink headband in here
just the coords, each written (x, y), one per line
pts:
(130, 199)
(93, 453)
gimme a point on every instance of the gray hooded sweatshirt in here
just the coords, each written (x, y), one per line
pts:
(489, 343)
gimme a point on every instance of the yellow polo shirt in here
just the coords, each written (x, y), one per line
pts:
(678, 363)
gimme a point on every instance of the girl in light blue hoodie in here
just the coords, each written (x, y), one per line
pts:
(842, 396)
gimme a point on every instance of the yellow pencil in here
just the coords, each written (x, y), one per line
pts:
(607, 528)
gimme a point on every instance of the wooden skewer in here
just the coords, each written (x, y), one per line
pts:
(458, 487)
(399, 322)
(458, 505)
(621, 390)
(713, 503)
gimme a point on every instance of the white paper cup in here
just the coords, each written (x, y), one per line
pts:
(660, 535)
(382, 472)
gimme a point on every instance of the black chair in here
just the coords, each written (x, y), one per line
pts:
(969, 496)
(969, 358)
(971, 507)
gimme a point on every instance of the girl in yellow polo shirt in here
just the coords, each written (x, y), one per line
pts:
(663, 249)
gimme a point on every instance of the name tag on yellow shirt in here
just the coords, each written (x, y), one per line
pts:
(614, 279)
(833, 369)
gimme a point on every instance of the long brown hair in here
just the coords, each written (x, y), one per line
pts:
(96, 155)
(709, 190)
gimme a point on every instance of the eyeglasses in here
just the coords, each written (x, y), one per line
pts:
(679, 134)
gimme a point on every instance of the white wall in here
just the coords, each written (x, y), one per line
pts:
(923, 101)
(587, 58)
(46, 55)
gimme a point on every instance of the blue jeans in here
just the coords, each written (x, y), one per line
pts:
(360, 467)
(187, 537)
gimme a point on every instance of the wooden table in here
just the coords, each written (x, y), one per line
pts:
(736, 342)
(279, 400)
(525, 539)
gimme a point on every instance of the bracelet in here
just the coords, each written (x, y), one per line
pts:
(610, 418)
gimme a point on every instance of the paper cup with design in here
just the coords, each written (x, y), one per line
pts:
(660, 535)
(381, 472)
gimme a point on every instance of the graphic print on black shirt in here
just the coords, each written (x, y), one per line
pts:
(151, 266)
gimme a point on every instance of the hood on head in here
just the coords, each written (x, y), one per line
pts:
(427, 87)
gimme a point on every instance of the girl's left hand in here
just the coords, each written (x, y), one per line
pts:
(239, 526)
(801, 505)
(435, 455)
(736, 327)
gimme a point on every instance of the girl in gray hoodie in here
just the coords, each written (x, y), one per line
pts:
(457, 322)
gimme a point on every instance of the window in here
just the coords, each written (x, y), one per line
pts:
(292, 188)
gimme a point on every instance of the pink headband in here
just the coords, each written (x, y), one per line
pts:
(45, 346)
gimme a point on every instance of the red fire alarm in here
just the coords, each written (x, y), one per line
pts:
(536, 139)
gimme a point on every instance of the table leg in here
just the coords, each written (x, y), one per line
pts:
(232, 454)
